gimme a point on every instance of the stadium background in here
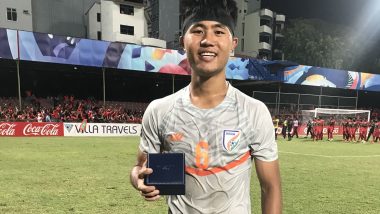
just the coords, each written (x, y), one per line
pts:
(49, 65)
(90, 175)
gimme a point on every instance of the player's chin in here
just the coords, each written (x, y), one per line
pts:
(208, 71)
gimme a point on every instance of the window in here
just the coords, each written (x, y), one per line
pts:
(135, 1)
(125, 29)
(126, 9)
(98, 17)
(265, 22)
(11, 14)
(99, 35)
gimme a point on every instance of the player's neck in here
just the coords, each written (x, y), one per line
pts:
(207, 93)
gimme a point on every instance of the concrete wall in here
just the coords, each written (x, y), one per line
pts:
(112, 19)
(252, 35)
(61, 17)
(93, 25)
(24, 14)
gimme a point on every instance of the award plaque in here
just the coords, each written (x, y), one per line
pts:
(168, 173)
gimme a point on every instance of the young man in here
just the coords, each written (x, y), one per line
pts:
(330, 128)
(315, 129)
(376, 133)
(290, 129)
(346, 135)
(218, 171)
(295, 127)
(309, 126)
(371, 131)
(353, 128)
(276, 122)
(320, 128)
(285, 127)
(363, 126)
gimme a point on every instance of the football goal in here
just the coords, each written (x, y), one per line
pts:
(338, 114)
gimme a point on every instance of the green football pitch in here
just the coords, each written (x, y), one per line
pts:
(91, 175)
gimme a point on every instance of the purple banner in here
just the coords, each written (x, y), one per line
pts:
(316, 76)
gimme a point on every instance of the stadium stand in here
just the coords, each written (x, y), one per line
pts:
(69, 109)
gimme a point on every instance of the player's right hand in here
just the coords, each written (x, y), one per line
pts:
(150, 193)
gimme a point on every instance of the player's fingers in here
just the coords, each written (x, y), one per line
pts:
(145, 171)
(147, 189)
(154, 198)
(143, 188)
(150, 194)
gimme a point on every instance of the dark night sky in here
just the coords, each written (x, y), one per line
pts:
(344, 12)
(360, 17)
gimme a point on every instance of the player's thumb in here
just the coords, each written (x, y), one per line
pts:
(145, 171)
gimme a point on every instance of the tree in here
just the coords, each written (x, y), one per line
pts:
(317, 43)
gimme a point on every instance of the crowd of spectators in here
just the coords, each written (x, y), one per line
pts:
(69, 109)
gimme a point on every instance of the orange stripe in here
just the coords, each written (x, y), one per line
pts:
(205, 172)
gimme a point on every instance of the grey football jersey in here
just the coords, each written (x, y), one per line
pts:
(218, 144)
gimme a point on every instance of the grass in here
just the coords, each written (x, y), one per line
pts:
(91, 175)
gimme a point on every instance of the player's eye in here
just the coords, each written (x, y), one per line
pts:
(197, 31)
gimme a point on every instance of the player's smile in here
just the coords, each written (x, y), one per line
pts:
(206, 55)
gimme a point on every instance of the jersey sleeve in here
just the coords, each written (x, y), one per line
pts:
(150, 140)
(263, 145)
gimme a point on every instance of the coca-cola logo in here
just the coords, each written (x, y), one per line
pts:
(47, 129)
(7, 129)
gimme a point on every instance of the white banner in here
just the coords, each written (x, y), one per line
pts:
(102, 129)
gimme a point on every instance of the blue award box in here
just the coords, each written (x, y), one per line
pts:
(168, 173)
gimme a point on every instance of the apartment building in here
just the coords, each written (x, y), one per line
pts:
(259, 30)
(117, 20)
(121, 21)
(16, 14)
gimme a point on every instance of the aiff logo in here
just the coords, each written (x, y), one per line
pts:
(230, 139)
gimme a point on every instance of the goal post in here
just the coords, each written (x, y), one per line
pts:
(338, 114)
(362, 114)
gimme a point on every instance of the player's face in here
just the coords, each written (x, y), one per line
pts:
(208, 45)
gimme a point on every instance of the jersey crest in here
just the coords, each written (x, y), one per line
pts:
(230, 139)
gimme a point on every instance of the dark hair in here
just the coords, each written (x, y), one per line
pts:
(223, 11)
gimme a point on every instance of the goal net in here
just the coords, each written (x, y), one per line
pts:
(338, 114)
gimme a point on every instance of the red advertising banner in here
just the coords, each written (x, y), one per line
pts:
(30, 129)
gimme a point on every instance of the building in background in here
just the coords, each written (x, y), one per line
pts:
(163, 19)
(121, 21)
(117, 20)
(61, 17)
(58, 17)
(16, 14)
(259, 31)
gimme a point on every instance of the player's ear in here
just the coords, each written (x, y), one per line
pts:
(235, 41)
(181, 42)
